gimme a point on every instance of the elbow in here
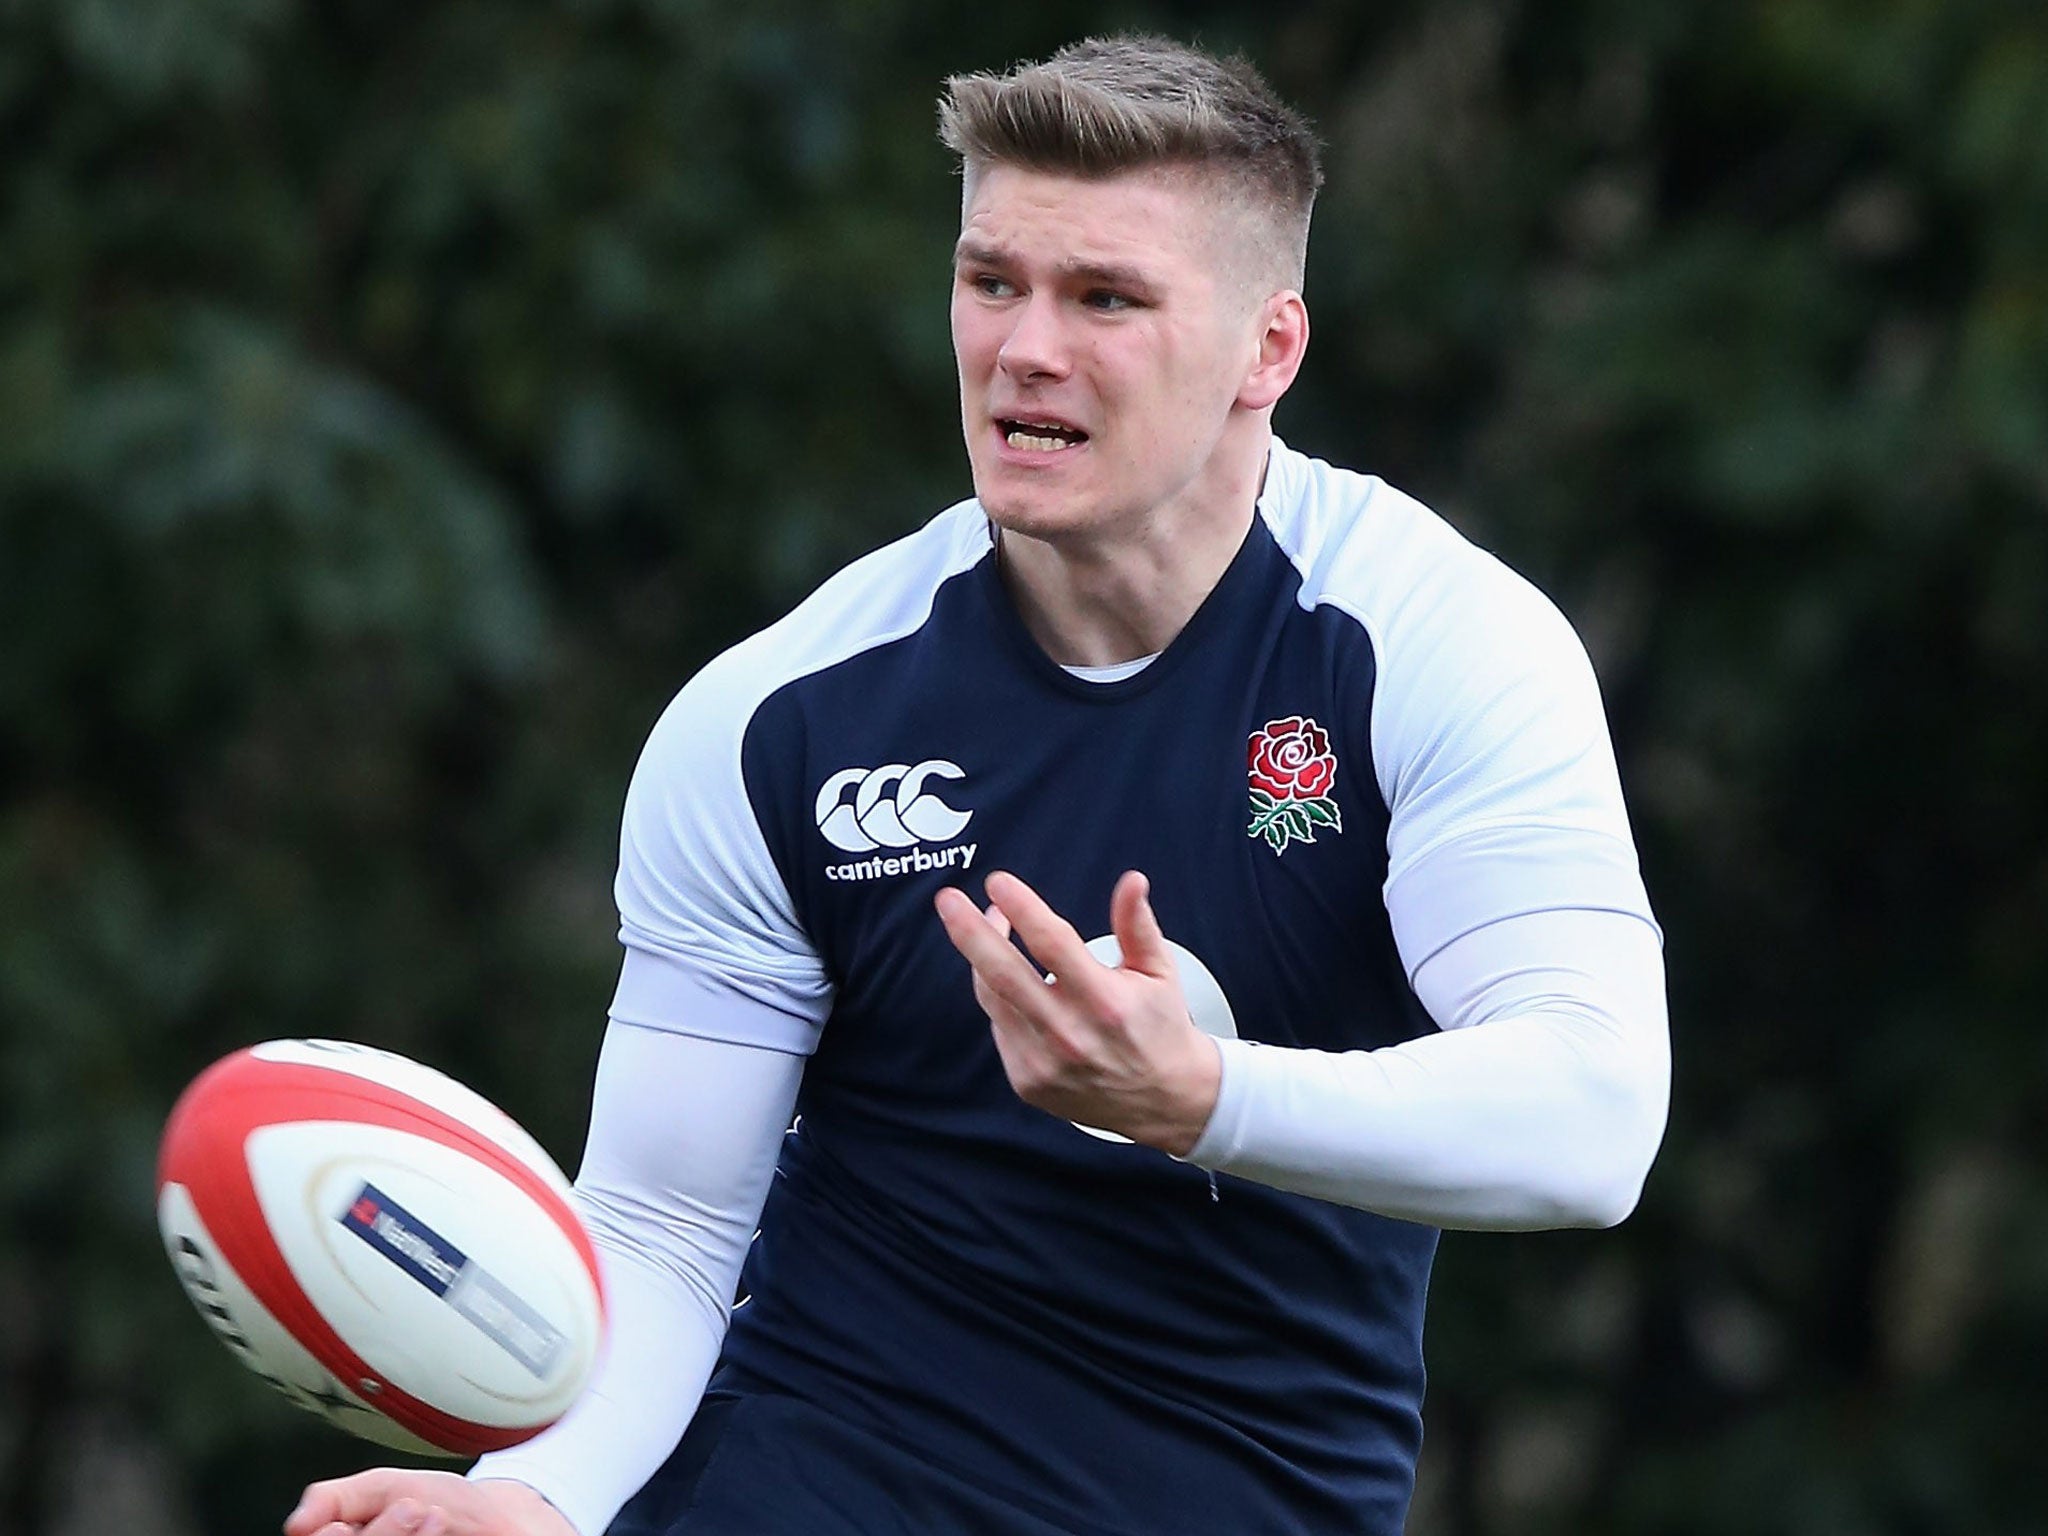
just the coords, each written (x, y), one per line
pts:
(1606, 1204)
(1601, 1194)
(1622, 1131)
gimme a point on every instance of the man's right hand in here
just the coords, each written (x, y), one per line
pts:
(389, 1502)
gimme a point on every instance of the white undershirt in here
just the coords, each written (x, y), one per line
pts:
(1111, 672)
(1538, 1103)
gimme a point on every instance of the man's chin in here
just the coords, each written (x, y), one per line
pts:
(1035, 506)
(1034, 515)
(1008, 503)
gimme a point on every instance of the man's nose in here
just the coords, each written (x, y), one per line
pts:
(1037, 344)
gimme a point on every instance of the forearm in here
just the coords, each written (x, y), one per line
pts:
(1541, 1103)
(684, 1134)
(663, 1344)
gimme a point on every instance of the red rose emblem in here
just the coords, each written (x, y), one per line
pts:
(1292, 771)
(1291, 759)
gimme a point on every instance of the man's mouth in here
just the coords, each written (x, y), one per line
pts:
(1032, 436)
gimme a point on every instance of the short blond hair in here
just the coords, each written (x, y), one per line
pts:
(1110, 105)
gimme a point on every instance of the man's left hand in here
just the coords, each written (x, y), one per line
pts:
(1105, 1046)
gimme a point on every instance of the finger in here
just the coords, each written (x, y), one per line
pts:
(1136, 927)
(1012, 993)
(401, 1519)
(1037, 1044)
(999, 1012)
(982, 942)
(345, 1501)
(367, 1502)
(1052, 940)
(1032, 1022)
(408, 1517)
(1000, 969)
(314, 1513)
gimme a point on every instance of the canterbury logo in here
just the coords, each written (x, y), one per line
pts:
(889, 807)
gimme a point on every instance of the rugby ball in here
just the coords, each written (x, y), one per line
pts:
(381, 1244)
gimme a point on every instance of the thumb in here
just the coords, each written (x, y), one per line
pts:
(1137, 928)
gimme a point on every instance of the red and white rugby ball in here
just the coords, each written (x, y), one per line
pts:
(381, 1244)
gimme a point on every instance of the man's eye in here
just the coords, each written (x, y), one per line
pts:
(1108, 299)
(991, 287)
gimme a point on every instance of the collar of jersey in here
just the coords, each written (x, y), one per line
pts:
(1237, 579)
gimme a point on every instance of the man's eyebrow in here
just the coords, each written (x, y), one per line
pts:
(1107, 274)
(972, 253)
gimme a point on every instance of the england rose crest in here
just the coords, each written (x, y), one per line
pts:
(1292, 770)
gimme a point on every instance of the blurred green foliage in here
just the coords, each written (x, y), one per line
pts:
(398, 402)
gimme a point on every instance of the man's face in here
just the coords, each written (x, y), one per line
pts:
(1101, 346)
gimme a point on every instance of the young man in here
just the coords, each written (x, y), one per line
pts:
(1128, 1233)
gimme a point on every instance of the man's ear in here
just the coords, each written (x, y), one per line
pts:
(1282, 343)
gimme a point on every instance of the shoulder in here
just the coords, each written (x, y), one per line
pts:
(1477, 675)
(1419, 587)
(883, 596)
(699, 892)
(1489, 739)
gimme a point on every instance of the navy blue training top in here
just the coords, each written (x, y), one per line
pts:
(1358, 749)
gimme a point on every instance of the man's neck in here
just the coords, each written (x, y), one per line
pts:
(1127, 592)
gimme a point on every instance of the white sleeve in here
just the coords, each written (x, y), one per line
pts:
(684, 1133)
(1490, 746)
(701, 902)
(1540, 1104)
(1519, 913)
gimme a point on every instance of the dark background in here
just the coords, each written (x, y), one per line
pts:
(398, 401)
